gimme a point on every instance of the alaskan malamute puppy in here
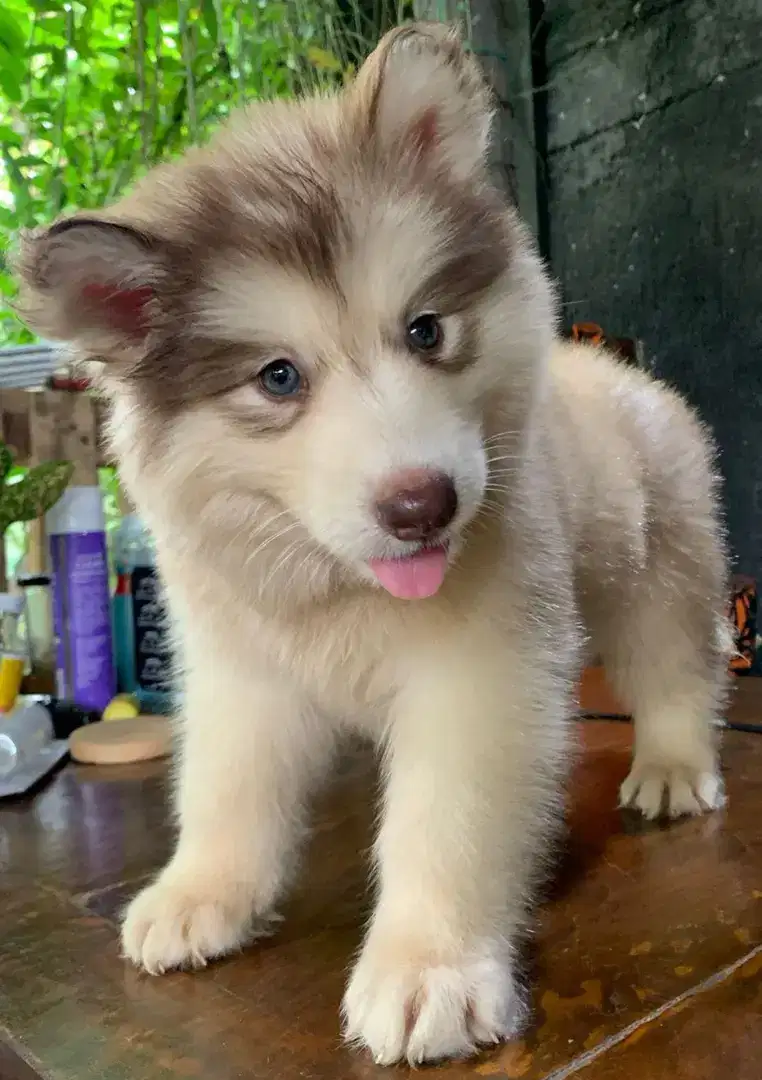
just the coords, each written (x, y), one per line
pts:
(387, 499)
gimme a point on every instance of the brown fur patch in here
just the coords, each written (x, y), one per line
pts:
(279, 186)
(478, 251)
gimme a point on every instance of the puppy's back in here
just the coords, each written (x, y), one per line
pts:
(630, 455)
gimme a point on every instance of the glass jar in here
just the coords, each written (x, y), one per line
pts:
(38, 621)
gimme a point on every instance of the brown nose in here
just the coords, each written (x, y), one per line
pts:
(415, 504)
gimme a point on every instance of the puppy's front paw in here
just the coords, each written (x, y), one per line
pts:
(182, 922)
(415, 1005)
(676, 791)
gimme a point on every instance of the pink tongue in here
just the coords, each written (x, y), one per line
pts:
(414, 577)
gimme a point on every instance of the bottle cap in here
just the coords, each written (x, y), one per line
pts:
(79, 510)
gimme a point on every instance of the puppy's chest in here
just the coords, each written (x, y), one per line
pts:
(347, 663)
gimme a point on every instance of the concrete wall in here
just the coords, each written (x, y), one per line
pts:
(499, 33)
(655, 204)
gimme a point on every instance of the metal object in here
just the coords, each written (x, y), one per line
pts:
(26, 367)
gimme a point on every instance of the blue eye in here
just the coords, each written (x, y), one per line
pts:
(281, 378)
(424, 333)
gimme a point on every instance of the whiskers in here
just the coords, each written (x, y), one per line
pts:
(291, 551)
(256, 552)
(502, 468)
(499, 450)
(300, 555)
(508, 434)
(503, 462)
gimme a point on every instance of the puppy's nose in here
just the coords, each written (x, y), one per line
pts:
(416, 503)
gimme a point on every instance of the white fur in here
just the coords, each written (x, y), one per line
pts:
(588, 515)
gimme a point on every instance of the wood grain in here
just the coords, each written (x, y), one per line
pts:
(647, 938)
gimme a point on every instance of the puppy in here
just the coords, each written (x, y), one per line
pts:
(387, 499)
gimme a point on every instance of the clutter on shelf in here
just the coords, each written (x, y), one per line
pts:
(82, 623)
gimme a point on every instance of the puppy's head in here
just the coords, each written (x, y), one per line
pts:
(322, 331)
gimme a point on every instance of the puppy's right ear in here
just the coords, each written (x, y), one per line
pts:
(93, 283)
(422, 96)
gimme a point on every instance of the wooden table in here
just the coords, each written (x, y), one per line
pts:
(648, 964)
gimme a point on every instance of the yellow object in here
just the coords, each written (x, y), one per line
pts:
(122, 707)
(11, 674)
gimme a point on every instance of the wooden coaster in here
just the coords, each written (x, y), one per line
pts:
(119, 742)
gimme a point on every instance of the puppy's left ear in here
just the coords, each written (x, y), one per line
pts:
(420, 96)
(92, 282)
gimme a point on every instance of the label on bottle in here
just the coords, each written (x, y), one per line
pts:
(153, 656)
(84, 659)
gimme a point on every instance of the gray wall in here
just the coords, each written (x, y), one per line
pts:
(654, 173)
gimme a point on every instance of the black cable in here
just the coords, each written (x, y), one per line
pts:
(622, 718)
(750, 729)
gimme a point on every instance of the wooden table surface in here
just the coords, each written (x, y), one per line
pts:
(647, 965)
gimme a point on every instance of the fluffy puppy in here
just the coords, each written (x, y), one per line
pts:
(386, 498)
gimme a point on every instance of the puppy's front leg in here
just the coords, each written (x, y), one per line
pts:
(476, 743)
(247, 749)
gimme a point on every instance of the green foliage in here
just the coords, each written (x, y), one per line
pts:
(34, 492)
(16, 538)
(92, 92)
(6, 462)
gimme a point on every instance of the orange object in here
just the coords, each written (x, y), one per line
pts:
(588, 331)
(742, 611)
(11, 674)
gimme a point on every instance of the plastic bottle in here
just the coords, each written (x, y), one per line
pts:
(23, 733)
(143, 653)
(121, 604)
(33, 581)
(81, 611)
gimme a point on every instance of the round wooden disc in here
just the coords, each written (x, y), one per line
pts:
(119, 742)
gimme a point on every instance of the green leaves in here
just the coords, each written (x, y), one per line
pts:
(6, 462)
(93, 92)
(35, 493)
(14, 37)
(211, 19)
(13, 32)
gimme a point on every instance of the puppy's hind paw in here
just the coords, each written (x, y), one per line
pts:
(677, 791)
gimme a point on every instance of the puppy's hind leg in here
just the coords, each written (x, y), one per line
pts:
(665, 648)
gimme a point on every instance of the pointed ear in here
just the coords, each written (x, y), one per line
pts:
(91, 282)
(421, 95)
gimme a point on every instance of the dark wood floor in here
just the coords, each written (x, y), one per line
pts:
(647, 966)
